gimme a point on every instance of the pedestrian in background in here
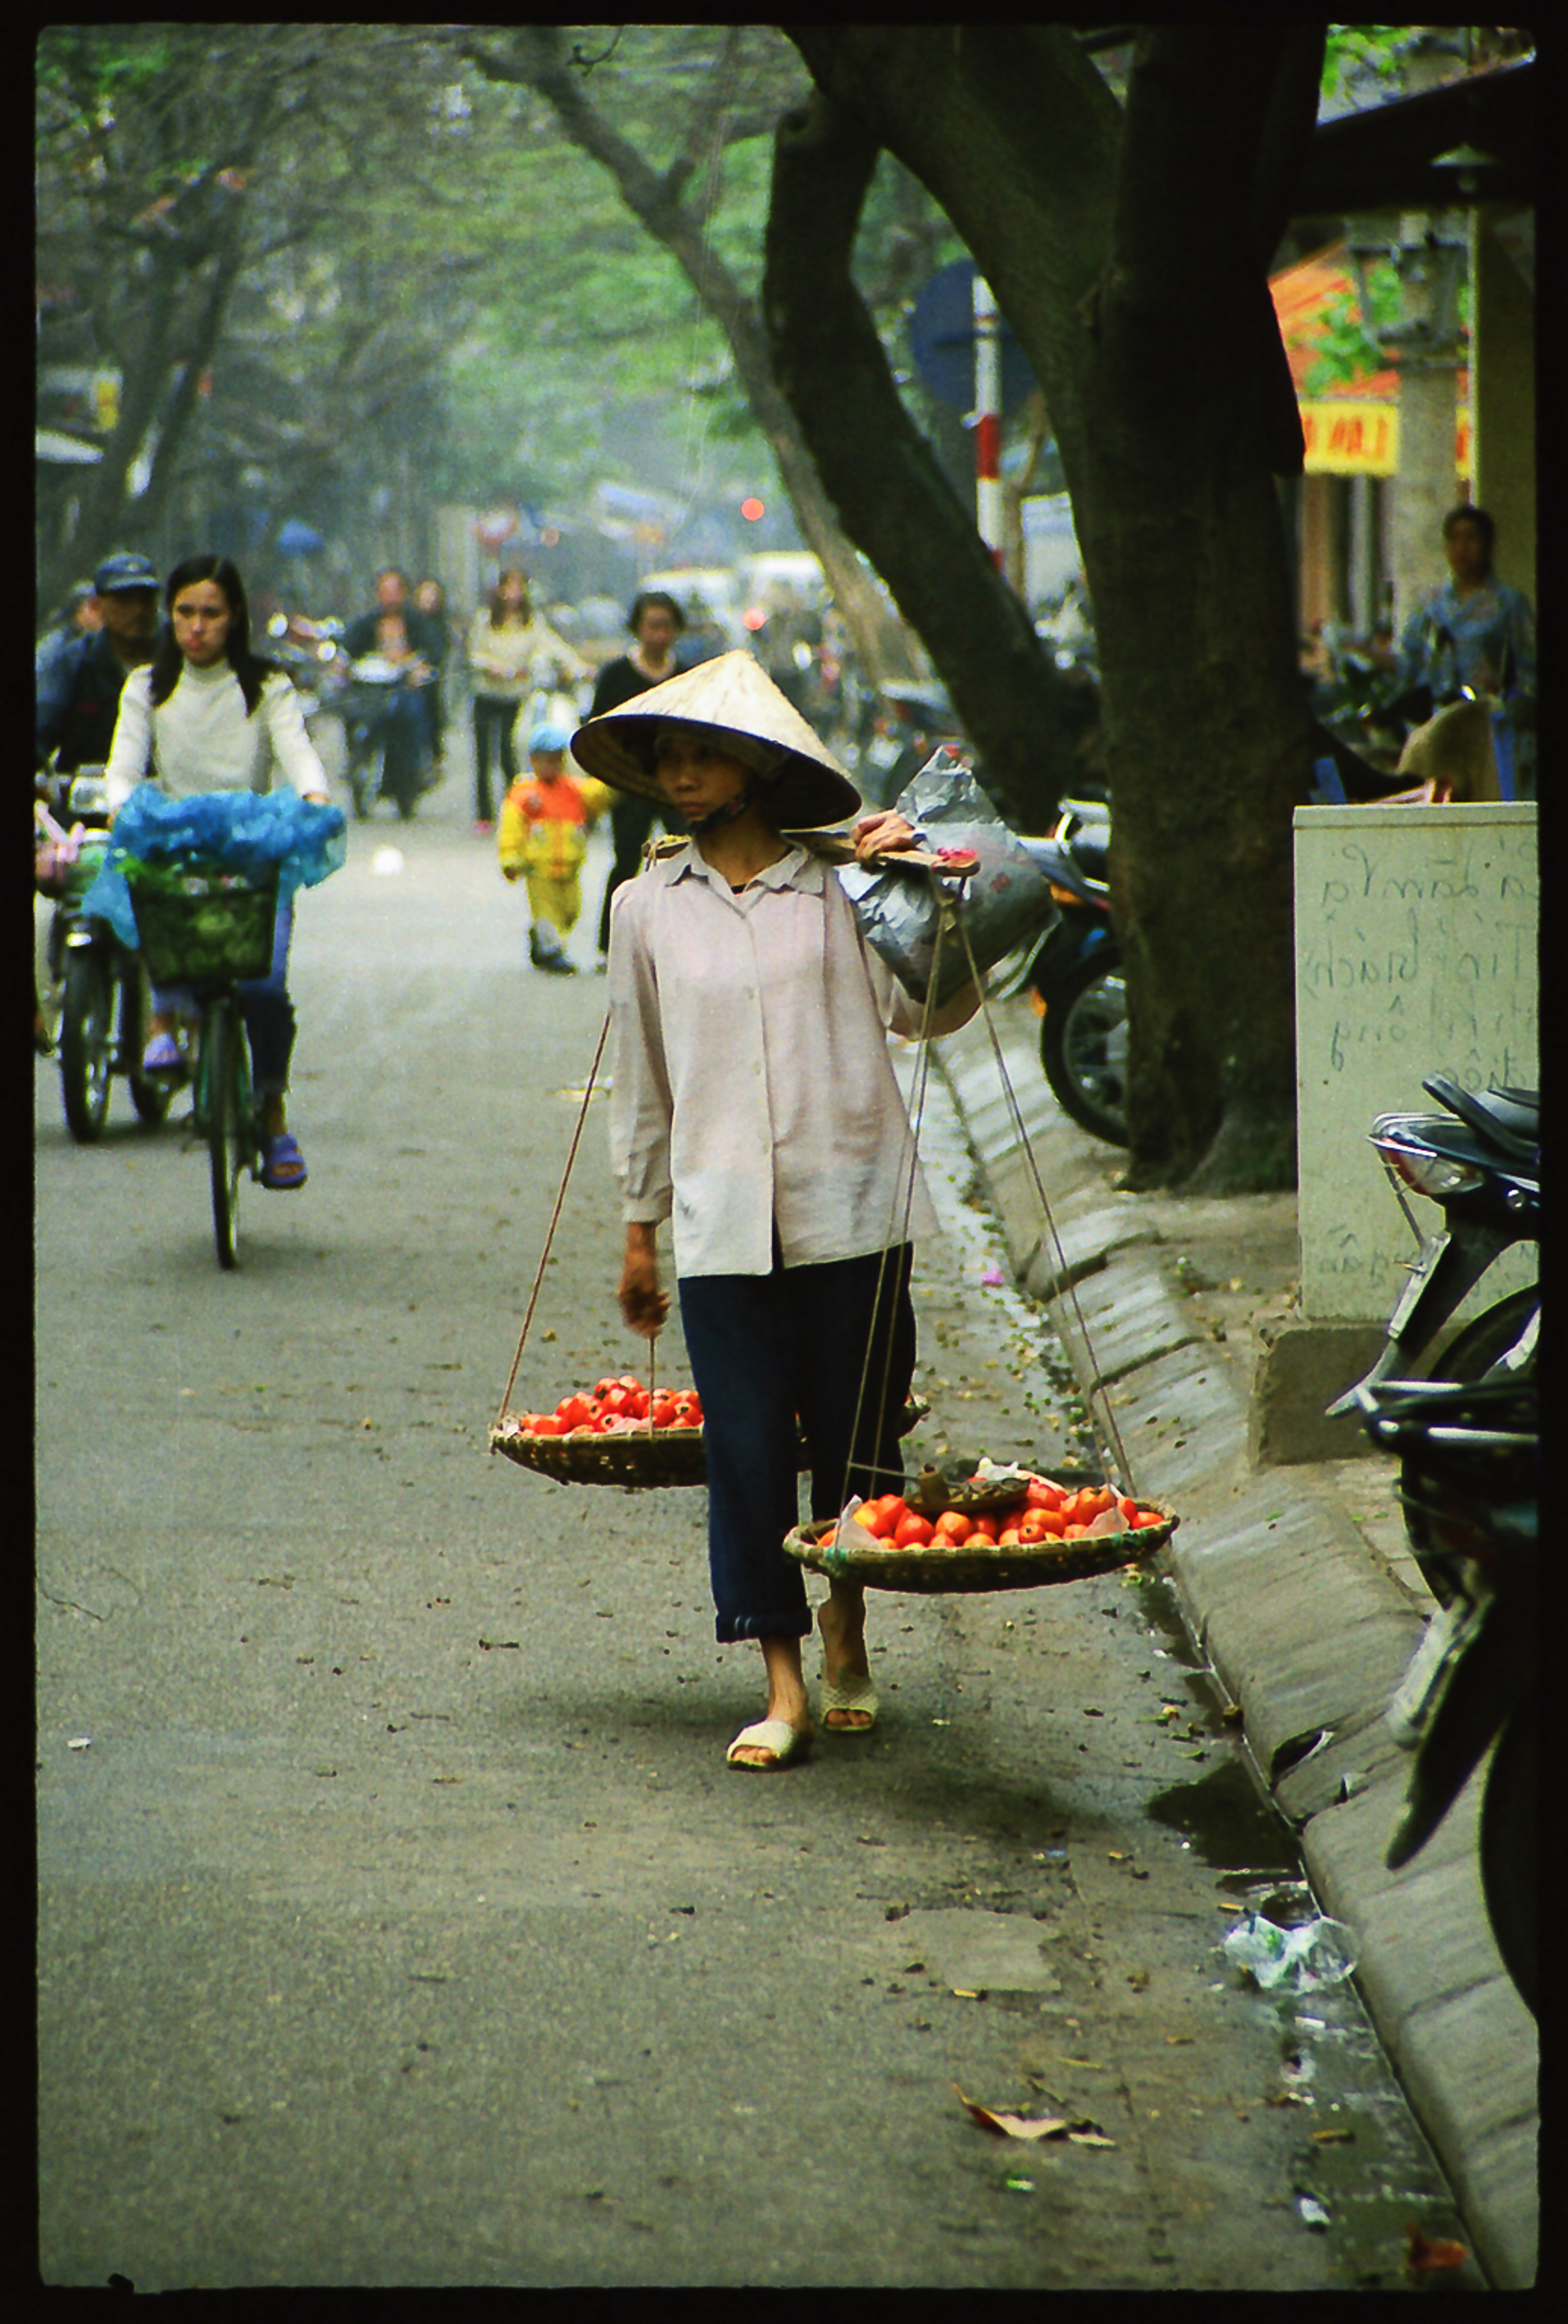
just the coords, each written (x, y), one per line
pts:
(656, 622)
(430, 599)
(511, 650)
(543, 838)
(77, 680)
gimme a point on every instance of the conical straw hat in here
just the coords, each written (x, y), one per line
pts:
(734, 694)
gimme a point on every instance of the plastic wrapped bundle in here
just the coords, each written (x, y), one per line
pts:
(1007, 900)
(252, 833)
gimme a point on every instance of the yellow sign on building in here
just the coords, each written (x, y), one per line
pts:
(1363, 440)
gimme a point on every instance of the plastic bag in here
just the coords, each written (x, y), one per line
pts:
(1292, 1960)
(1007, 901)
(231, 830)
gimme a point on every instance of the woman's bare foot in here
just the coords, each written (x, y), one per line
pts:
(842, 1620)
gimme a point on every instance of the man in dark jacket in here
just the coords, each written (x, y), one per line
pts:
(77, 680)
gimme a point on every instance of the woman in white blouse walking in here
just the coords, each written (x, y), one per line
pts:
(209, 715)
(754, 1106)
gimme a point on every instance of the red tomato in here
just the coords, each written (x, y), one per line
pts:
(1127, 1507)
(1043, 1494)
(602, 1388)
(951, 1525)
(1008, 1537)
(574, 1411)
(987, 1526)
(1147, 1518)
(542, 1424)
(663, 1413)
(877, 1518)
(912, 1531)
(629, 1379)
(686, 1420)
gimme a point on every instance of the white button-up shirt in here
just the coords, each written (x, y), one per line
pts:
(751, 1082)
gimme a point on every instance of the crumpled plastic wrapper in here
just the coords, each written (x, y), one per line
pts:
(247, 832)
(1006, 901)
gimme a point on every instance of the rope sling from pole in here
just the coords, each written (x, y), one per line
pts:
(633, 1456)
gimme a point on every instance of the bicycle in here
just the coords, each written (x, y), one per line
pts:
(211, 930)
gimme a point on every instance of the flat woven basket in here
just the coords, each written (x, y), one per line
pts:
(635, 1457)
(650, 1456)
(879, 1565)
(216, 930)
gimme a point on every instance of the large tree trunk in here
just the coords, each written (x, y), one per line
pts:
(1130, 254)
(534, 58)
(886, 484)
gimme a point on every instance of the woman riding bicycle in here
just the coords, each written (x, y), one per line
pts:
(208, 716)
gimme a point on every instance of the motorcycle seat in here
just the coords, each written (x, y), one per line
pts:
(1511, 1119)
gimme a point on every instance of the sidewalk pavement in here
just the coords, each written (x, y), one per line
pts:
(1294, 1578)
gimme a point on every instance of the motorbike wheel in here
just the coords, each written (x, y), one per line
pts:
(86, 1047)
(1511, 1843)
(1472, 1354)
(1084, 1046)
(150, 1098)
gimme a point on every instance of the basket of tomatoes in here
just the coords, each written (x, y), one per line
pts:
(619, 1433)
(1000, 1529)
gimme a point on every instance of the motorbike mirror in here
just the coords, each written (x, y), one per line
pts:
(278, 627)
(326, 651)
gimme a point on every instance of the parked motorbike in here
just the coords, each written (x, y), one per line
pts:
(1077, 975)
(1480, 1161)
(99, 999)
(907, 722)
(388, 754)
(1470, 1456)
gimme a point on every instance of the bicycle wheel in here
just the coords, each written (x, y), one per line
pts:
(230, 1132)
(365, 769)
(87, 1042)
(1083, 1047)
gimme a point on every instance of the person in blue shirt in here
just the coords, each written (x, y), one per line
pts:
(1475, 631)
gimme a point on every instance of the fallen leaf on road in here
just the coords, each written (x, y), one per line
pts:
(1332, 2137)
(1014, 2126)
(1088, 2138)
(970, 1992)
(1423, 2257)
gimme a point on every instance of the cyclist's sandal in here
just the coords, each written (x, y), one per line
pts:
(160, 1055)
(282, 1164)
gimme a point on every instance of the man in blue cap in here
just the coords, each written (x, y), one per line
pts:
(77, 680)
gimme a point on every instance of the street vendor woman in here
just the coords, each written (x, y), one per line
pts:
(753, 1105)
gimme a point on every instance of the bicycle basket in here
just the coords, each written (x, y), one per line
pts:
(203, 928)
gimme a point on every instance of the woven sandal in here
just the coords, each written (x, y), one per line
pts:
(786, 1743)
(850, 1691)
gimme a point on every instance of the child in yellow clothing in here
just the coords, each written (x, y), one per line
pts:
(544, 837)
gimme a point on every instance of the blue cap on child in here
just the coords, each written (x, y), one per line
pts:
(548, 735)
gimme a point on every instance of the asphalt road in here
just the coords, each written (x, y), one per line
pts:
(399, 1924)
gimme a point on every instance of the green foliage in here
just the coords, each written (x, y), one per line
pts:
(1378, 49)
(1344, 351)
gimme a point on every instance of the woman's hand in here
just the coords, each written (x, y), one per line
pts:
(883, 835)
(642, 1303)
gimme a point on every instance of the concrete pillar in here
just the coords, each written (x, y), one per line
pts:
(1425, 489)
(1503, 401)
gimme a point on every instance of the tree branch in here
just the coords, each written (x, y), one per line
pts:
(890, 494)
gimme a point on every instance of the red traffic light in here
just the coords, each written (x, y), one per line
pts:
(752, 510)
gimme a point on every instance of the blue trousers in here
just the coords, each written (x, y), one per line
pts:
(265, 1007)
(764, 1348)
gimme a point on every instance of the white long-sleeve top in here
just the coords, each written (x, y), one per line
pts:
(508, 658)
(201, 740)
(751, 1076)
